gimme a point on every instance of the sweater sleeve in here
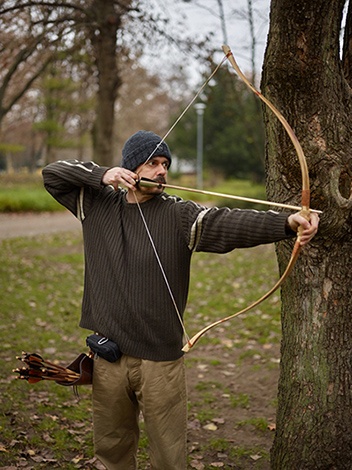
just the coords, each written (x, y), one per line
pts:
(74, 184)
(222, 230)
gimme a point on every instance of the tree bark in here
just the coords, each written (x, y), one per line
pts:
(303, 76)
(103, 33)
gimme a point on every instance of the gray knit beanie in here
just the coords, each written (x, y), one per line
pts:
(140, 146)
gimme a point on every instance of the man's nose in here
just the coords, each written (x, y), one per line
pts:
(161, 170)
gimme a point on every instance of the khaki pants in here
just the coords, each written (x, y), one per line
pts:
(124, 388)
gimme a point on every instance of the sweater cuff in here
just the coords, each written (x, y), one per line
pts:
(280, 227)
(288, 230)
(97, 175)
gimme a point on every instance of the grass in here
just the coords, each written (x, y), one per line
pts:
(25, 192)
(236, 453)
(240, 400)
(238, 283)
(41, 279)
(261, 424)
(236, 187)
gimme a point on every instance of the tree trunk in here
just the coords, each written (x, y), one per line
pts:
(303, 76)
(103, 37)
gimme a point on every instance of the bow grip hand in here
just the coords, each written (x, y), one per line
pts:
(306, 224)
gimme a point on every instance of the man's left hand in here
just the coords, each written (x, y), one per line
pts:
(310, 227)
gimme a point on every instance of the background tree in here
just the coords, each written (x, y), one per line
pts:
(26, 49)
(104, 21)
(66, 108)
(233, 130)
(107, 31)
(146, 100)
(304, 77)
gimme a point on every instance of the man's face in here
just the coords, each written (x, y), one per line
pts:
(155, 169)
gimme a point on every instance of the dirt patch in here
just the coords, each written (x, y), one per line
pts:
(232, 406)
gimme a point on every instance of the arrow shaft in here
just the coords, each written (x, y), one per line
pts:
(228, 196)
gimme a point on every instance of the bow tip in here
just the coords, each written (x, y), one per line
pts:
(226, 49)
(187, 347)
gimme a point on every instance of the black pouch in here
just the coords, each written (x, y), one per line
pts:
(104, 347)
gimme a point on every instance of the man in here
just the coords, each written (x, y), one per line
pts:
(138, 244)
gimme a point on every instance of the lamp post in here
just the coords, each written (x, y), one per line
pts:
(200, 107)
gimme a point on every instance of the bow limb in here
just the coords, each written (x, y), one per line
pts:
(288, 128)
(305, 202)
(294, 255)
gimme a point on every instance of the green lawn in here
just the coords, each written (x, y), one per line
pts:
(41, 281)
(44, 425)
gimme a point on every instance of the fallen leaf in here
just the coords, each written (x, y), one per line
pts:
(3, 448)
(38, 458)
(218, 420)
(47, 438)
(227, 373)
(77, 459)
(210, 427)
(197, 465)
(193, 424)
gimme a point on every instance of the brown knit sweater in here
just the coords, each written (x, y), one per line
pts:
(125, 295)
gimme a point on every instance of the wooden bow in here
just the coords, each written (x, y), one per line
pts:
(305, 203)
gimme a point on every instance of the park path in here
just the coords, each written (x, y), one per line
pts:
(31, 224)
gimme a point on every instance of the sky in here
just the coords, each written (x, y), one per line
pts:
(202, 17)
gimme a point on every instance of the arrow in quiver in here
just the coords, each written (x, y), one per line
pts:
(79, 372)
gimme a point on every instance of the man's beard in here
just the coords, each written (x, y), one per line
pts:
(161, 180)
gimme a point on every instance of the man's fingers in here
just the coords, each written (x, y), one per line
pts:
(309, 229)
(117, 175)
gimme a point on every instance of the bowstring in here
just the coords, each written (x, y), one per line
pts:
(162, 270)
(186, 109)
(140, 209)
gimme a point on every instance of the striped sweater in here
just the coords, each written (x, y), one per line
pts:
(125, 295)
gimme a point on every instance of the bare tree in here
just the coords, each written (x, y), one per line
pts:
(304, 77)
(77, 22)
(105, 21)
(107, 30)
(25, 52)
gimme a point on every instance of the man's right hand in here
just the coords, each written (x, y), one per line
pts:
(118, 175)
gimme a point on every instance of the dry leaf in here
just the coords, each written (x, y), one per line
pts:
(197, 465)
(210, 427)
(218, 420)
